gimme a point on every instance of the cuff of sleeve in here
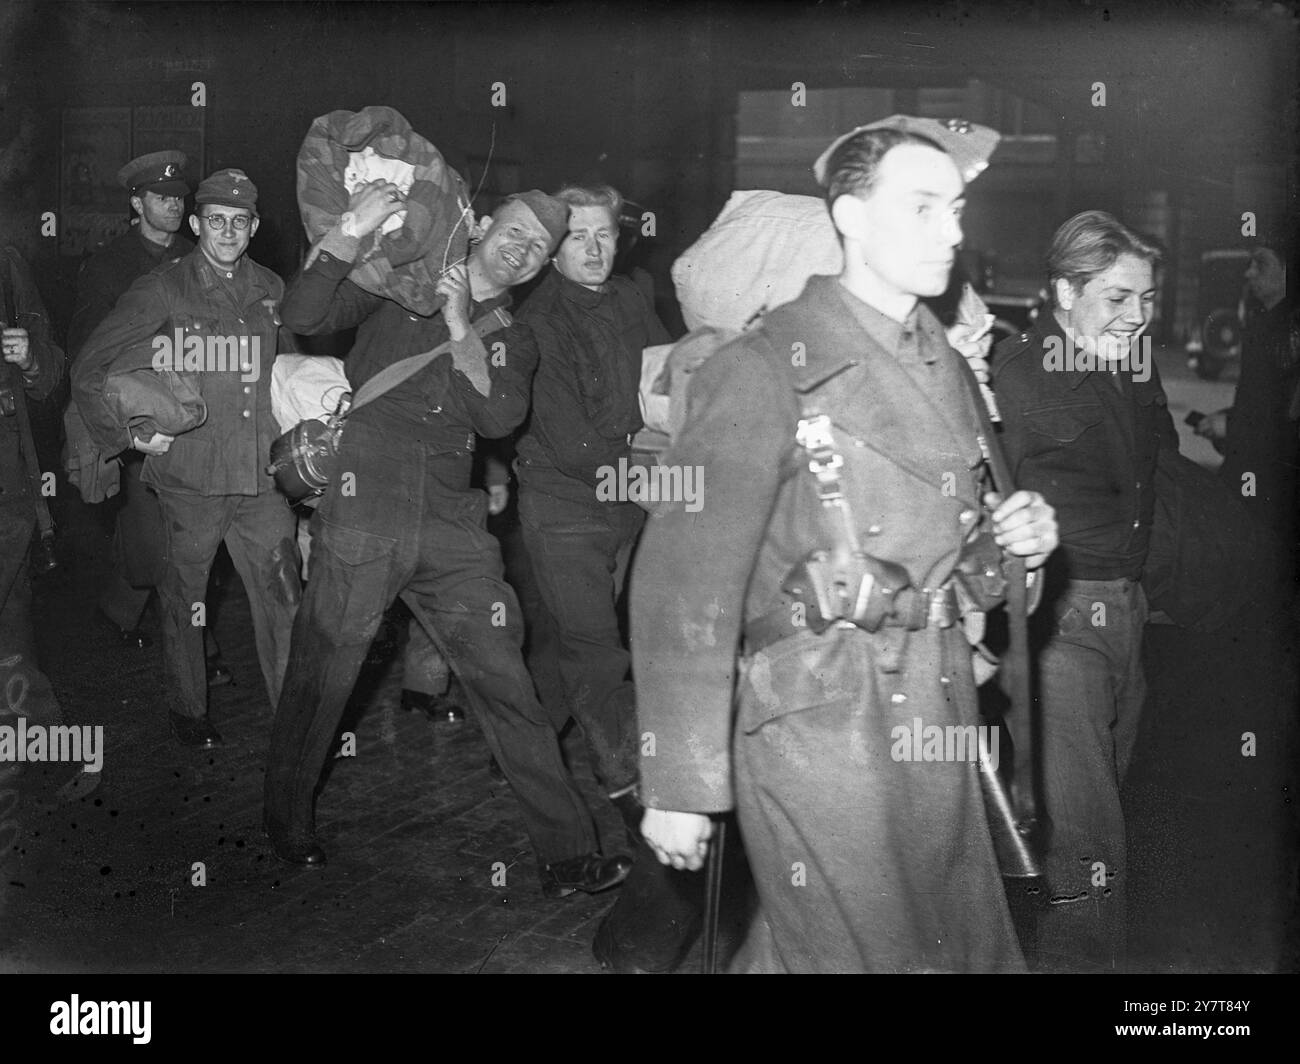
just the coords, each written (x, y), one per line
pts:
(470, 357)
(344, 248)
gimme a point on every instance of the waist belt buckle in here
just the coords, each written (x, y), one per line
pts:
(943, 607)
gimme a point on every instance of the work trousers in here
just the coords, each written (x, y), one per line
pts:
(1090, 696)
(579, 553)
(415, 527)
(258, 530)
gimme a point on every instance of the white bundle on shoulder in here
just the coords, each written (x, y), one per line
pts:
(304, 387)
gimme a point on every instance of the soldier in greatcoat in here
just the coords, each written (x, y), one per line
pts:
(867, 854)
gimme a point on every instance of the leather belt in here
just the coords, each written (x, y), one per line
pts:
(914, 609)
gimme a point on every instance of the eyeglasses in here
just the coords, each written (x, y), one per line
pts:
(217, 222)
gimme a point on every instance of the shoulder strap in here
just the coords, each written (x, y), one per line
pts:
(390, 377)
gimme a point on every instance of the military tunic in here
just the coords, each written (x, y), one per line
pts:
(212, 482)
(863, 861)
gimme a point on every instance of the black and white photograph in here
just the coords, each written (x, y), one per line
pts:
(650, 488)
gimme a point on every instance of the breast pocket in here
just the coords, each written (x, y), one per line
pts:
(193, 361)
(1065, 423)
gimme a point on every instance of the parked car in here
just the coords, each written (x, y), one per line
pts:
(1221, 306)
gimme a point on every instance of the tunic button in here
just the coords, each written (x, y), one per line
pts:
(859, 443)
(874, 530)
(898, 698)
(247, 390)
(248, 413)
(246, 366)
(966, 517)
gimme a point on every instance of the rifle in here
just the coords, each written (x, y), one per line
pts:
(713, 895)
(1013, 817)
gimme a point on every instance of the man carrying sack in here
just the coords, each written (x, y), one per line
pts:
(401, 517)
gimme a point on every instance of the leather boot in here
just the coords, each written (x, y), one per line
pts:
(659, 911)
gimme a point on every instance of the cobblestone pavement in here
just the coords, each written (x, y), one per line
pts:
(415, 826)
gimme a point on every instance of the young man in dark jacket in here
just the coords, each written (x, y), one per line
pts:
(590, 329)
(579, 529)
(1084, 418)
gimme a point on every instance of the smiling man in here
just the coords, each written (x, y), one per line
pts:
(211, 481)
(403, 519)
(1088, 439)
(841, 444)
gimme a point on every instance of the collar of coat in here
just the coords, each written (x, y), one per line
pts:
(177, 249)
(257, 277)
(578, 293)
(833, 355)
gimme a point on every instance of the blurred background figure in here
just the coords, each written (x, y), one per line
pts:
(1258, 434)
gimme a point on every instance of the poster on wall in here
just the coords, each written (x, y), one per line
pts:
(170, 127)
(96, 144)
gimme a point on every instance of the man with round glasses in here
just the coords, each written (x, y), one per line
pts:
(157, 188)
(209, 322)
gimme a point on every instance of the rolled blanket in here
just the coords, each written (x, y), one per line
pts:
(404, 258)
(306, 387)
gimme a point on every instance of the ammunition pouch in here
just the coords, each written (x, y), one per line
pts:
(867, 593)
(862, 589)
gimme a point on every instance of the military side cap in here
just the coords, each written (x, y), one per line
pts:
(159, 171)
(551, 212)
(969, 145)
(228, 188)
